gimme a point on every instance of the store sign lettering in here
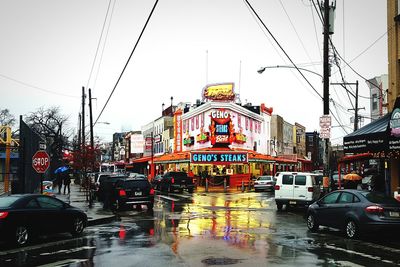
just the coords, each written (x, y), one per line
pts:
(219, 157)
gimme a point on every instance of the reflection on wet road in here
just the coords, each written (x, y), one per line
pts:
(241, 229)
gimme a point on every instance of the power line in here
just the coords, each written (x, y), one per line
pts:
(36, 87)
(98, 44)
(283, 50)
(297, 34)
(104, 44)
(127, 62)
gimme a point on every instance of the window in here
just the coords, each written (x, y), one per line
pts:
(287, 179)
(50, 203)
(331, 198)
(346, 198)
(374, 101)
(32, 204)
(300, 180)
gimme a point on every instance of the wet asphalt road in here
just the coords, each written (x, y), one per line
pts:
(240, 229)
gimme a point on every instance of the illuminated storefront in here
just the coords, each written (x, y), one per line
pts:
(221, 139)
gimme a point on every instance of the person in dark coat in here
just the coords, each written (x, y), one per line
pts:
(108, 195)
(67, 182)
(59, 182)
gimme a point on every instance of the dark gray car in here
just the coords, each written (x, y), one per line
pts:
(355, 212)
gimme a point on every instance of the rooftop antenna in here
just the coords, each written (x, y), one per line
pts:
(240, 78)
(206, 67)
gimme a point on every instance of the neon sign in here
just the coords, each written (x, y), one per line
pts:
(202, 157)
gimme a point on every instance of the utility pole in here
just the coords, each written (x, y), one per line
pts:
(79, 132)
(326, 58)
(91, 127)
(356, 108)
(84, 141)
(326, 75)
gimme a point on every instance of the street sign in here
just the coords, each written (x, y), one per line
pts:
(325, 122)
(325, 133)
(40, 161)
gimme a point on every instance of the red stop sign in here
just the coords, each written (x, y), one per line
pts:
(40, 161)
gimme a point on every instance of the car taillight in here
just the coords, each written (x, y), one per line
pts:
(310, 189)
(172, 180)
(122, 193)
(277, 187)
(3, 214)
(152, 191)
(374, 209)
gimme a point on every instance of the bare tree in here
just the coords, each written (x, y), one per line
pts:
(6, 118)
(51, 125)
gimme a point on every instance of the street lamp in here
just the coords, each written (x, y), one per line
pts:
(261, 70)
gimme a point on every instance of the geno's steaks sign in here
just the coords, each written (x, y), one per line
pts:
(218, 157)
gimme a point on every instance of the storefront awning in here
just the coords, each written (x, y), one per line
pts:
(173, 158)
(372, 138)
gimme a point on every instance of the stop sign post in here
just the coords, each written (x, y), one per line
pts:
(40, 163)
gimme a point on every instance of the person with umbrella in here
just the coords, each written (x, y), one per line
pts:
(351, 180)
(59, 177)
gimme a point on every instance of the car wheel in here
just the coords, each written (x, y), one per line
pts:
(351, 229)
(21, 235)
(279, 206)
(77, 226)
(311, 224)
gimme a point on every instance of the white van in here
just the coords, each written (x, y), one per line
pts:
(296, 189)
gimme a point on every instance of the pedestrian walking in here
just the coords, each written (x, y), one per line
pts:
(67, 182)
(59, 182)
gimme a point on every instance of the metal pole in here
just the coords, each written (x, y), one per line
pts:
(207, 184)
(8, 156)
(225, 184)
(326, 79)
(326, 57)
(356, 109)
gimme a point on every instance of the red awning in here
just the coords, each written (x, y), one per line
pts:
(141, 160)
(356, 157)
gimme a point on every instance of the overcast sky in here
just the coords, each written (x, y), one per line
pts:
(47, 50)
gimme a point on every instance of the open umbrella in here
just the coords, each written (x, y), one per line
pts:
(61, 169)
(352, 177)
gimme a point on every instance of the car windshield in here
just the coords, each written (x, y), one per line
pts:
(265, 178)
(379, 198)
(6, 202)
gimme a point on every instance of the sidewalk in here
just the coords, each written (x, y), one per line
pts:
(77, 198)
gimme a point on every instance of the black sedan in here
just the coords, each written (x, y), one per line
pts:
(132, 192)
(25, 216)
(355, 212)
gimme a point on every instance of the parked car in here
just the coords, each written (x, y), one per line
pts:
(172, 181)
(265, 182)
(132, 192)
(355, 212)
(106, 185)
(157, 181)
(296, 189)
(24, 216)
